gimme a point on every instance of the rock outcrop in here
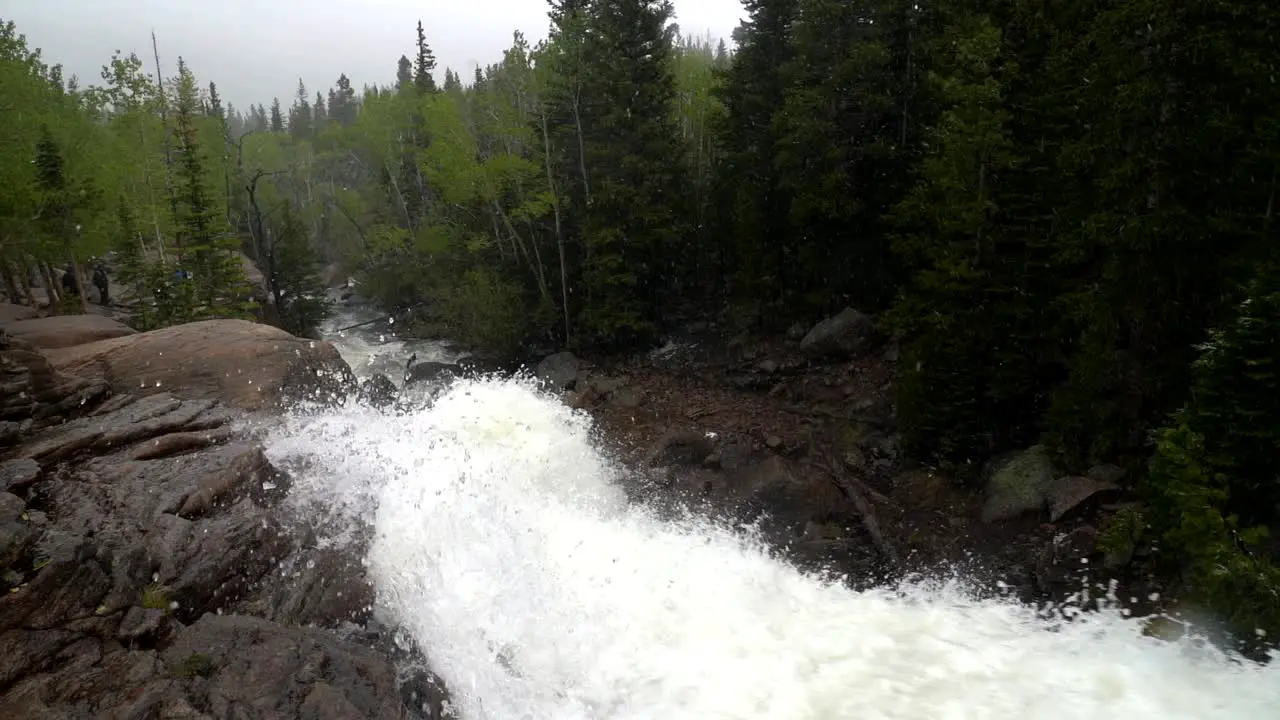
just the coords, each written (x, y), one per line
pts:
(147, 569)
(243, 364)
(63, 331)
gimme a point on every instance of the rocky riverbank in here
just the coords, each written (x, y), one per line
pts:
(803, 427)
(148, 569)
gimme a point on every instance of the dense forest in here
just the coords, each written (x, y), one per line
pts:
(1061, 209)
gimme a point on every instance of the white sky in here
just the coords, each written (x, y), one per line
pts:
(257, 49)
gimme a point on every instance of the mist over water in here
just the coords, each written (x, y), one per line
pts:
(505, 547)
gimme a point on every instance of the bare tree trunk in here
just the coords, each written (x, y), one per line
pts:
(582, 147)
(535, 261)
(164, 124)
(6, 273)
(79, 271)
(151, 198)
(24, 280)
(555, 207)
(50, 284)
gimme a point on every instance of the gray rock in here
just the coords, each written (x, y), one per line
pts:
(1018, 483)
(558, 372)
(430, 372)
(626, 397)
(1106, 474)
(16, 475)
(378, 391)
(845, 334)
(144, 625)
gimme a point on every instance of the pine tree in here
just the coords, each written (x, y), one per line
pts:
(1213, 478)
(755, 207)
(301, 119)
(215, 103)
(342, 102)
(452, 83)
(58, 203)
(404, 74)
(206, 248)
(277, 118)
(294, 276)
(631, 224)
(424, 64)
(318, 112)
(258, 121)
(965, 388)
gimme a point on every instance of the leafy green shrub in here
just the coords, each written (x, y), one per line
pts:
(488, 311)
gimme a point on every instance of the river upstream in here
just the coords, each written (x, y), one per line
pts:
(504, 545)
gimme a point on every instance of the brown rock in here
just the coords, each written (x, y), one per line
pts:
(679, 447)
(33, 395)
(1070, 492)
(63, 331)
(791, 498)
(245, 365)
(11, 313)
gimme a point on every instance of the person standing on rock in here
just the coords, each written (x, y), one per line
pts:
(69, 284)
(101, 282)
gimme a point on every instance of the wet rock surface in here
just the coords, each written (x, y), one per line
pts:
(244, 365)
(61, 331)
(149, 572)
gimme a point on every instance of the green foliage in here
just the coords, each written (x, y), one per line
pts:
(488, 311)
(294, 278)
(155, 597)
(1212, 479)
(1122, 532)
(195, 665)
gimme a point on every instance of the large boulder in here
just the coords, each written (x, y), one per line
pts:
(63, 331)
(1018, 483)
(243, 364)
(845, 334)
(559, 371)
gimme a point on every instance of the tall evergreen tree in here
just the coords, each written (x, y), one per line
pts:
(301, 117)
(277, 117)
(218, 287)
(319, 115)
(215, 103)
(755, 208)
(404, 74)
(342, 102)
(630, 217)
(424, 64)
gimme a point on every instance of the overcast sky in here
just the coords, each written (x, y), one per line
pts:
(257, 49)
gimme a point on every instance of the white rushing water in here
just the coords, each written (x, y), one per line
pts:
(504, 546)
(373, 344)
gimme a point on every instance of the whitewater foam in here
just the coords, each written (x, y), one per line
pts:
(505, 547)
